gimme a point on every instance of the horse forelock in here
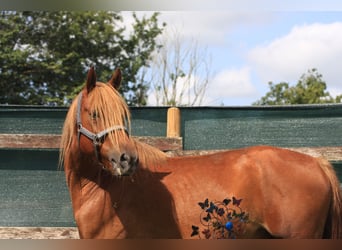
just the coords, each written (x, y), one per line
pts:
(114, 111)
(111, 110)
(109, 106)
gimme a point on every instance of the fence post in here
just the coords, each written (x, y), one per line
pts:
(173, 122)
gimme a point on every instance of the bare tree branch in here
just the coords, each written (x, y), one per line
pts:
(182, 72)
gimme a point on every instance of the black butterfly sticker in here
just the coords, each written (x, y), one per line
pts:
(207, 218)
(194, 230)
(211, 208)
(236, 202)
(220, 211)
(204, 204)
(226, 201)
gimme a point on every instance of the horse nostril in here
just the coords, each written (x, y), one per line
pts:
(124, 157)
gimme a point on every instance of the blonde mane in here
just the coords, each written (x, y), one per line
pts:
(110, 107)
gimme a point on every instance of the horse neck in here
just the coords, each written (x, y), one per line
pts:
(86, 168)
(85, 184)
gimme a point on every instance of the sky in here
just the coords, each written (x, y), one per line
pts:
(248, 49)
(250, 42)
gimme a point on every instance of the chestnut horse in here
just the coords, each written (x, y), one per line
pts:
(122, 188)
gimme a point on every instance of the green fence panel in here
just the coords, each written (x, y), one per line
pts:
(34, 194)
(146, 121)
(296, 126)
(34, 198)
(31, 120)
(149, 121)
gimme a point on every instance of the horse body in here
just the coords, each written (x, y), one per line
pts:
(121, 188)
(270, 180)
(162, 202)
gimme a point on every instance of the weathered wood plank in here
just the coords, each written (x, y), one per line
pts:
(34, 141)
(329, 153)
(162, 143)
(39, 233)
(50, 141)
(38, 141)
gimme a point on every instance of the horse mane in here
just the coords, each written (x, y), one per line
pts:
(149, 157)
(112, 110)
(68, 132)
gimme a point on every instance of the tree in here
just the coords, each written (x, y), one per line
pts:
(45, 55)
(310, 89)
(180, 72)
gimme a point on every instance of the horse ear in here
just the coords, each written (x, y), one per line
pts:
(91, 79)
(115, 81)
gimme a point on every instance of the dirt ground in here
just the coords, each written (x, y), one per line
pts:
(38, 233)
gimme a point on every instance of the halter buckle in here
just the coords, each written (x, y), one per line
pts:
(97, 140)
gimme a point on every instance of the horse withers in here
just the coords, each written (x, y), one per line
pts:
(122, 188)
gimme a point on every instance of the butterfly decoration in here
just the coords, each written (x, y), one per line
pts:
(211, 208)
(220, 211)
(204, 204)
(236, 202)
(206, 233)
(194, 230)
(226, 201)
(221, 220)
(207, 218)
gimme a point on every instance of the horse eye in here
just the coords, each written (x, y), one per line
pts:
(94, 115)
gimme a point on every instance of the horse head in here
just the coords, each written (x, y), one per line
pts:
(102, 119)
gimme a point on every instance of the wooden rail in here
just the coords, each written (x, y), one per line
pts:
(166, 144)
(38, 141)
(39, 233)
(329, 153)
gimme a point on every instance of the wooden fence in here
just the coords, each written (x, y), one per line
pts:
(34, 193)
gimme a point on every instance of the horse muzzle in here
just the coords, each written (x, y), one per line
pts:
(126, 164)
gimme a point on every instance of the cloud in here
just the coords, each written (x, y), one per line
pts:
(230, 84)
(305, 47)
(210, 27)
(207, 27)
(226, 87)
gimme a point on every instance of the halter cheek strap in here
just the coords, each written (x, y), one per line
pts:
(95, 138)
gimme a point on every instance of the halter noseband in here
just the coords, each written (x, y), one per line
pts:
(95, 138)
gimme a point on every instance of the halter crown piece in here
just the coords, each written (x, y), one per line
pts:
(98, 138)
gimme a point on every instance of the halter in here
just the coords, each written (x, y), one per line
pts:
(98, 138)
